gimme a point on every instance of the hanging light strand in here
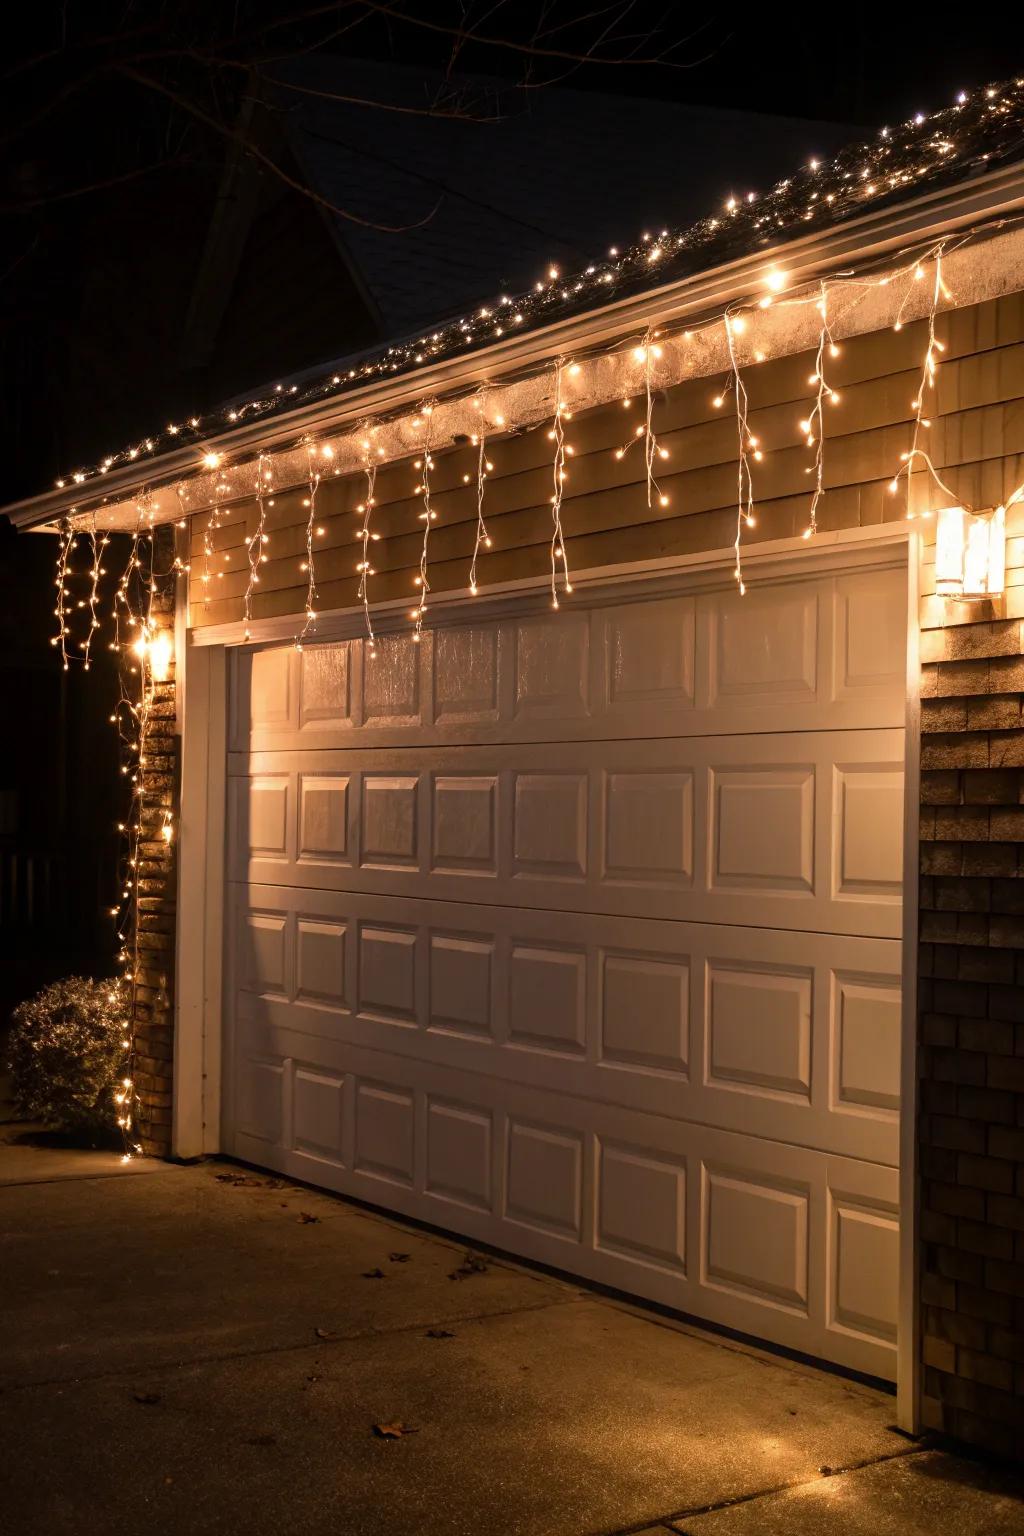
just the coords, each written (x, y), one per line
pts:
(483, 468)
(65, 544)
(309, 624)
(813, 427)
(255, 544)
(929, 373)
(746, 445)
(559, 477)
(427, 516)
(366, 537)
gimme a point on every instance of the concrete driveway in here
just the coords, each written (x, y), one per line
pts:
(208, 1349)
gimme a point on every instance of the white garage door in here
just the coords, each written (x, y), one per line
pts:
(578, 934)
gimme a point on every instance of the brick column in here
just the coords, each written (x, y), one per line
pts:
(971, 1056)
(154, 994)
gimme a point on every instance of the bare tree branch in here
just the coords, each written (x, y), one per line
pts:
(149, 83)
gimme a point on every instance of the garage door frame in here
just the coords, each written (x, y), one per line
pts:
(203, 683)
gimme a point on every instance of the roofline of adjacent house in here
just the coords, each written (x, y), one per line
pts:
(982, 200)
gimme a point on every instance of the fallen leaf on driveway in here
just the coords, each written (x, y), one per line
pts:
(307, 1219)
(146, 1397)
(325, 1333)
(399, 1258)
(472, 1264)
(393, 1431)
(440, 1333)
(374, 1274)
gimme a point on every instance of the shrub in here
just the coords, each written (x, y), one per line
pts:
(66, 1048)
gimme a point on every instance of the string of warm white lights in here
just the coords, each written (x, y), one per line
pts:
(983, 128)
(746, 444)
(559, 477)
(366, 537)
(814, 425)
(310, 503)
(65, 543)
(483, 469)
(256, 543)
(428, 516)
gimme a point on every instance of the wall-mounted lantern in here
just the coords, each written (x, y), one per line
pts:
(970, 553)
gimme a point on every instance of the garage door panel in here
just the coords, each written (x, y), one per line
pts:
(665, 663)
(765, 1238)
(790, 1036)
(801, 830)
(578, 933)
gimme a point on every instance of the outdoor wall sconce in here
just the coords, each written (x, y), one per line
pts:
(158, 651)
(970, 553)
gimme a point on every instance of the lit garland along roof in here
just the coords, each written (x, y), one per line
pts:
(984, 129)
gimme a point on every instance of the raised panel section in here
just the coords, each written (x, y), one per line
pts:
(550, 826)
(866, 1024)
(545, 1178)
(270, 701)
(763, 832)
(649, 651)
(461, 983)
(642, 1205)
(323, 817)
(465, 674)
(864, 1291)
(644, 1011)
(385, 1132)
(324, 685)
(318, 1100)
(547, 998)
(764, 646)
(263, 953)
(387, 973)
(869, 831)
(459, 1153)
(649, 827)
(265, 810)
(754, 1237)
(389, 832)
(320, 961)
(871, 634)
(551, 662)
(260, 1094)
(465, 823)
(391, 682)
(759, 1030)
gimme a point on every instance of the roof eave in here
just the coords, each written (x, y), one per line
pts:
(983, 199)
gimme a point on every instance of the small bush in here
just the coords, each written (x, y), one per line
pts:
(65, 1054)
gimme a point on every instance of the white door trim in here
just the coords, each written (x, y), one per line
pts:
(201, 890)
(774, 559)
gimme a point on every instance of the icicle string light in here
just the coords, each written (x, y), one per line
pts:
(746, 445)
(428, 516)
(813, 427)
(256, 544)
(982, 128)
(929, 373)
(559, 475)
(483, 468)
(312, 531)
(66, 539)
(366, 537)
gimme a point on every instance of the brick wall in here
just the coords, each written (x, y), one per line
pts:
(971, 999)
(154, 995)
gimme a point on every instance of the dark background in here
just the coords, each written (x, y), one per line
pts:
(131, 131)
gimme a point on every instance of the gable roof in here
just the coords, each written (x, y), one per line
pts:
(554, 176)
(964, 160)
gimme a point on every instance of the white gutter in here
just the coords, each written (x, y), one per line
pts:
(982, 201)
